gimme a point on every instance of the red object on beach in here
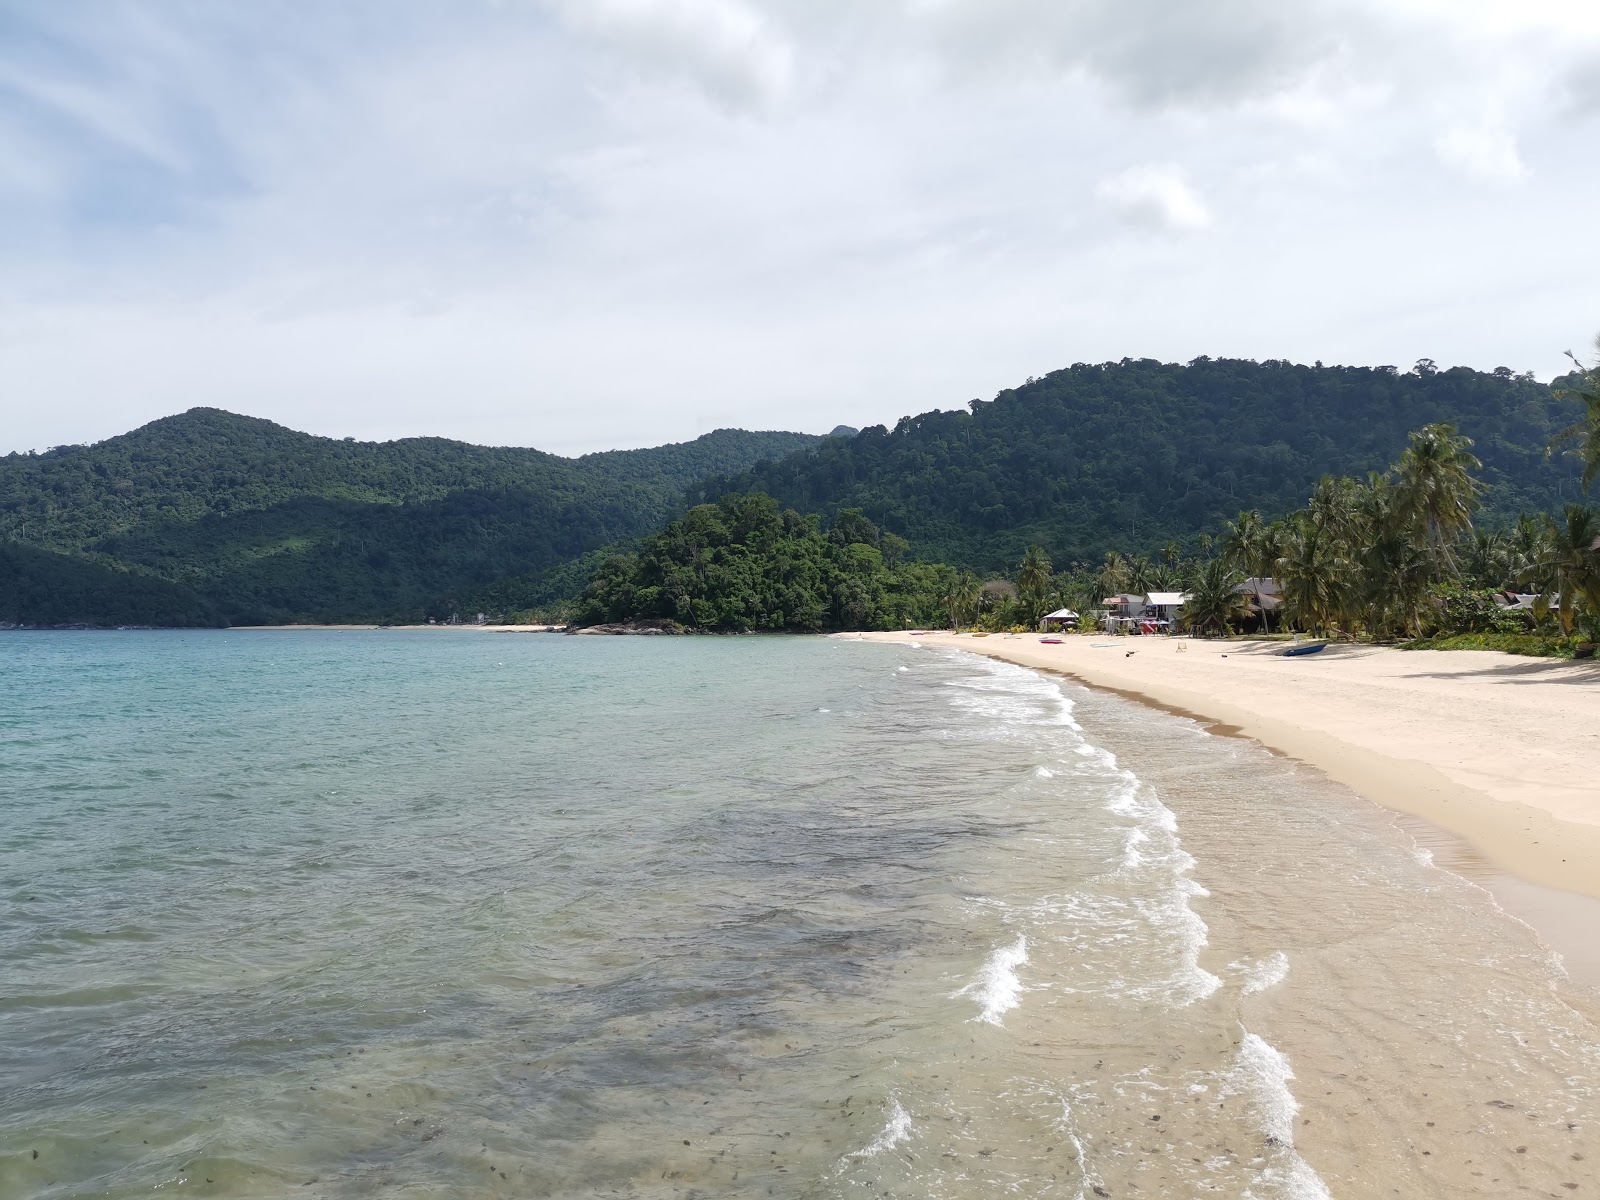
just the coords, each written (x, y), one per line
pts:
(1050, 641)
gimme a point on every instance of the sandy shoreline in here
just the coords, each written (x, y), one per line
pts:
(474, 628)
(1497, 751)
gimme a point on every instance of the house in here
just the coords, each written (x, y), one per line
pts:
(1162, 607)
(1266, 596)
(1062, 618)
(1122, 611)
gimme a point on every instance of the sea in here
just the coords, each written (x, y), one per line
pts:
(438, 913)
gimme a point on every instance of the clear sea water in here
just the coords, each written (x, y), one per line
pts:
(429, 913)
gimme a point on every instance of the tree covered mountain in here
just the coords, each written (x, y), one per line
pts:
(257, 523)
(1135, 454)
(268, 524)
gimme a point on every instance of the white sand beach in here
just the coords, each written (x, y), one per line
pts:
(1496, 749)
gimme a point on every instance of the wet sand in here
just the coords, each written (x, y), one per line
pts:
(1496, 751)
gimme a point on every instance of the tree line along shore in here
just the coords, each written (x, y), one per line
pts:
(1394, 556)
(1125, 475)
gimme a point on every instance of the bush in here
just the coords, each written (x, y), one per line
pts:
(1466, 610)
(1531, 644)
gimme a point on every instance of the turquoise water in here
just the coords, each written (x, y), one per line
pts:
(455, 913)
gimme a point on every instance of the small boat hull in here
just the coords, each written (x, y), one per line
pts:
(1297, 651)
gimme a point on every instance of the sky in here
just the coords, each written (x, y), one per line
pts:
(591, 224)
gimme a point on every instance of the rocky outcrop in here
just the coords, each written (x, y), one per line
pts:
(652, 627)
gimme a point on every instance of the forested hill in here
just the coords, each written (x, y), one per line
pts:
(207, 462)
(1137, 453)
(267, 524)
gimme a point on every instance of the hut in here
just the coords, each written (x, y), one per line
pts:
(1062, 618)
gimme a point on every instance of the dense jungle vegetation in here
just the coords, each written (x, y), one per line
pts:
(267, 524)
(256, 523)
(1136, 454)
(743, 564)
(1389, 556)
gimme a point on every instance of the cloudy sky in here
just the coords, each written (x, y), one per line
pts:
(582, 224)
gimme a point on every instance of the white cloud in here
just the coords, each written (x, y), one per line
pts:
(1155, 196)
(725, 45)
(1486, 152)
(524, 222)
(1154, 53)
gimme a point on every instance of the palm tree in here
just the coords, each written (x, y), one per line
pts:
(1033, 581)
(962, 599)
(1172, 552)
(1313, 573)
(1436, 490)
(1586, 431)
(1528, 550)
(1251, 545)
(1112, 577)
(1239, 540)
(1391, 585)
(1334, 506)
(1486, 559)
(1213, 600)
(1572, 564)
(1140, 569)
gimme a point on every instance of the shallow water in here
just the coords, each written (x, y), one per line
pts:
(468, 914)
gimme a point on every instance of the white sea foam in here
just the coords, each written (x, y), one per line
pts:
(998, 988)
(1067, 1126)
(1263, 974)
(902, 668)
(1151, 844)
(895, 1131)
(1044, 772)
(1261, 1074)
(1013, 696)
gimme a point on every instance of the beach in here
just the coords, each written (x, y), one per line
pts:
(1495, 749)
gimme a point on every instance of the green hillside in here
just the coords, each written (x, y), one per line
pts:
(269, 524)
(1133, 454)
(41, 587)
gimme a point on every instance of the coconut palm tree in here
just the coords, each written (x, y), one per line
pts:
(1140, 570)
(1240, 540)
(1313, 573)
(1586, 431)
(1527, 551)
(962, 599)
(1435, 488)
(1213, 600)
(1112, 578)
(1250, 545)
(1390, 589)
(1033, 581)
(1486, 559)
(1334, 507)
(1572, 565)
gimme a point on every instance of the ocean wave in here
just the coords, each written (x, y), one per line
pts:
(1012, 695)
(896, 1130)
(1261, 1074)
(998, 988)
(1263, 974)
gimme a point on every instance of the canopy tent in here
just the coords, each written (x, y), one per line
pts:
(1064, 617)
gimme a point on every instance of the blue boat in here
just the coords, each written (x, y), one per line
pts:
(1293, 651)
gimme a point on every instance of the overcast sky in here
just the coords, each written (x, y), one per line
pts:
(583, 224)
